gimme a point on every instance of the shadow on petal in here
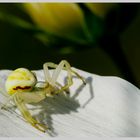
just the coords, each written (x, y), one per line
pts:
(62, 104)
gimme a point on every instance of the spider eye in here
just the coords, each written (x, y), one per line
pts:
(20, 80)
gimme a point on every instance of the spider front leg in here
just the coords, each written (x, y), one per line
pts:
(4, 105)
(66, 91)
(65, 66)
(26, 114)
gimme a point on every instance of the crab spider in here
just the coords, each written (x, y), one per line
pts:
(24, 88)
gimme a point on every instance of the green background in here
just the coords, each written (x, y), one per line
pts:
(20, 49)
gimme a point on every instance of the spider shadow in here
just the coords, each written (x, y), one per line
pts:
(89, 81)
(62, 104)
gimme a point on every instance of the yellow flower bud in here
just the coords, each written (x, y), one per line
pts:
(62, 19)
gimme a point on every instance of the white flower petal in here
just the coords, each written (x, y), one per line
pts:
(106, 106)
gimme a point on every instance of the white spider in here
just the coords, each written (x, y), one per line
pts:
(24, 88)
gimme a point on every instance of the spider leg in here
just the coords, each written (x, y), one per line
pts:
(69, 77)
(4, 105)
(55, 74)
(26, 114)
(66, 91)
(46, 72)
(79, 76)
(62, 65)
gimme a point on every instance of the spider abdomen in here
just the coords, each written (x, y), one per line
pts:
(20, 80)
